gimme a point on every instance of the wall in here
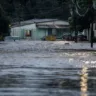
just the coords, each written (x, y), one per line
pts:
(41, 33)
(21, 31)
(16, 31)
(36, 34)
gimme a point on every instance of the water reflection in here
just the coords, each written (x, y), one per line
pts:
(41, 81)
(84, 80)
(11, 80)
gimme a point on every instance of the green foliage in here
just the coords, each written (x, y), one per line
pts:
(94, 39)
(71, 23)
(83, 15)
(4, 24)
(29, 9)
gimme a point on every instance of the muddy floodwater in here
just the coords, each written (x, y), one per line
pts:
(47, 73)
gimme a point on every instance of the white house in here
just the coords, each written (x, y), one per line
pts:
(38, 28)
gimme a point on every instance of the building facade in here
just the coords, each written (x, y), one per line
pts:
(37, 29)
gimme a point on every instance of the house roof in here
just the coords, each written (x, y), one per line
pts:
(43, 23)
(54, 24)
(32, 21)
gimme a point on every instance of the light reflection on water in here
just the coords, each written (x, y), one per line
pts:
(46, 82)
(84, 81)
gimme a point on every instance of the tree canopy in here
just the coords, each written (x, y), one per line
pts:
(4, 24)
(83, 15)
(28, 9)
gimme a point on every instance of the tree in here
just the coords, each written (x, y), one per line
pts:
(82, 14)
(4, 25)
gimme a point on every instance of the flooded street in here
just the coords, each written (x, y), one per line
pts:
(47, 73)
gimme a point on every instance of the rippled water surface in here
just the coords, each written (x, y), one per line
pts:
(47, 74)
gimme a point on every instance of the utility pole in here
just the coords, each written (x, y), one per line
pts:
(74, 20)
(92, 35)
(92, 32)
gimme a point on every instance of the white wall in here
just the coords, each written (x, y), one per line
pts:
(16, 31)
(21, 31)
